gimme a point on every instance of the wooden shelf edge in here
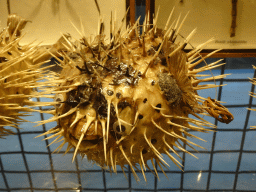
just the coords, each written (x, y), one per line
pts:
(224, 53)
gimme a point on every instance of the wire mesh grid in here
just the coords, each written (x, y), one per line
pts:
(227, 164)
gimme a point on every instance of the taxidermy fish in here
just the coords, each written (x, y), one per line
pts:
(19, 75)
(127, 101)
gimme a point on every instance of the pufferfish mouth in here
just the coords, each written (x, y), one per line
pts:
(85, 144)
(89, 140)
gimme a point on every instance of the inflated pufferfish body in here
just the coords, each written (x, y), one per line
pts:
(18, 74)
(128, 101)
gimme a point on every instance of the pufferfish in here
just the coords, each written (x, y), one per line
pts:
(127, 101)
(19, 74)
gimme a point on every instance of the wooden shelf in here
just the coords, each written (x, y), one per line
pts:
(229, 53)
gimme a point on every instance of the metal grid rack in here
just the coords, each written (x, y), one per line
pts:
(227, 164)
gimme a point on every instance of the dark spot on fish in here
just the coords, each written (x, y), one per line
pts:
(144, 151)
(153, 141)
(164, 62)
(118, 95)
(158, 106)
(3, 59)
(120, 130)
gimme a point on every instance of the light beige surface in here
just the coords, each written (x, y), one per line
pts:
(50, 17)
(213, 19)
